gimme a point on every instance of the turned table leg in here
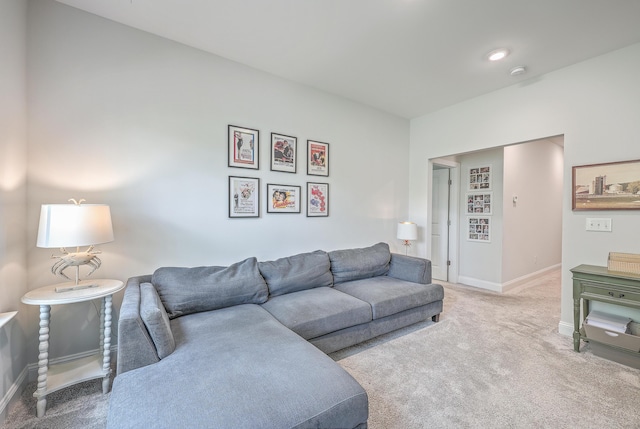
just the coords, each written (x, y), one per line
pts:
(105, 336)
(43, 360)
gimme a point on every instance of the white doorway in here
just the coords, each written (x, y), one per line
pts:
(440, 223)
(444, 219)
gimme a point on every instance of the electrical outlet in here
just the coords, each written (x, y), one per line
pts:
(598, 224)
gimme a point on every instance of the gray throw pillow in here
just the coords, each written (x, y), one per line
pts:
(192, 290)
(296, 273)
(355, 264)
(156, 320)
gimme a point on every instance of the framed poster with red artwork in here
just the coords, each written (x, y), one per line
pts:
(317, 158)
(317, 199)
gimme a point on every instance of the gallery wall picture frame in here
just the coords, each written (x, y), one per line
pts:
(317, 199)
(244, 147)
(317, 158)
(480, 203)
(479, 229)
(284, 153)
(608, 186)
(479, 178)
(283, 198)
(244, 197)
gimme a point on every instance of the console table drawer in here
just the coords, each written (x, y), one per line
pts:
(602, 290)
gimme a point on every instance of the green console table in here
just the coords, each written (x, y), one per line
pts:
(594, 283)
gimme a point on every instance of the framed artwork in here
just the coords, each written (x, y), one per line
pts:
(479, 229)
(244, 147)
(244, 197)
(479, 203)
(480, 178)
(610, 186)
(317, 199)
(317, 158)
(283, 153)
(283, 198)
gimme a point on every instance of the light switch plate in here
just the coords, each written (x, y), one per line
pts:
(598, 224)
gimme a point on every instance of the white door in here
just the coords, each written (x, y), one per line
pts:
(440, 225)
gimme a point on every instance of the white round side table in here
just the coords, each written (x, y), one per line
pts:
(55, 377)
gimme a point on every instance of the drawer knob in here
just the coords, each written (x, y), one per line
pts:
(610, 293)
(621, 295)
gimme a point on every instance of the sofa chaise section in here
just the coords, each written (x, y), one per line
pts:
(237, 368)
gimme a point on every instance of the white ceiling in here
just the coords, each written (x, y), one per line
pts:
(407, 57)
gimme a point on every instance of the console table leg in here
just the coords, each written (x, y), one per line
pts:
(106, 347)
(43, 360)
(576, 325)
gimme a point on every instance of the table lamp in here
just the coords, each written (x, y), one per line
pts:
(74, 225)
(407, 231)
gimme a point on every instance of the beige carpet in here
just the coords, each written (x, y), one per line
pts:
(493, 361)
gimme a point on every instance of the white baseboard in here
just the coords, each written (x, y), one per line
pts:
(12, 394)
(565, 329)
(512, 284)
(504, 287)
(482, 284)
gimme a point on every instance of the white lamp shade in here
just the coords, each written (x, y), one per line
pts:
(407, 231)
(69, 225)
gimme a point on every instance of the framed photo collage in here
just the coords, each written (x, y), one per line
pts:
(244, 192)
(479, 203)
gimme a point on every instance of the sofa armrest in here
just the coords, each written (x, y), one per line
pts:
(135, 347)
(409, 268)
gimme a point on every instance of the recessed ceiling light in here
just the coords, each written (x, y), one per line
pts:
(498, 54)
(516, 71)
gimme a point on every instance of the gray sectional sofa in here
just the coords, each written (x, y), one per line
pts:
(245, 346)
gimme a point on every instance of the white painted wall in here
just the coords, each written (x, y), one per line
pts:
(13, 168)
(126, 118)
(480, 262)
(595, 104)
(532, 228)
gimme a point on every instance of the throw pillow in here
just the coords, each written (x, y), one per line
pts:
(156, 320)
(192, 290)
(355, 264)
(296, 273)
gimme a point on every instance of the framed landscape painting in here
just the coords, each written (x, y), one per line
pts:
(244, 147)
(610, 186)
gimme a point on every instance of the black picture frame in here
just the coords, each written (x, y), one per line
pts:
(317, 158)
(284, 153)
(317, 199)
(244, 197)
(243, 147)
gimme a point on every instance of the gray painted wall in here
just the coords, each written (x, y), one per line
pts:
(13, 168)
(595, 104)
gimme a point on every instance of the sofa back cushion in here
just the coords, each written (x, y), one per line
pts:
(192, 290)
(356, 264)
(296, 273)
(156, 320)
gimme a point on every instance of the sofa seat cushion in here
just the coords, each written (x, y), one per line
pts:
(388, 295)
(315, 312)
(296, 273)
(191, 290)
(237, 367)
(355, 264)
